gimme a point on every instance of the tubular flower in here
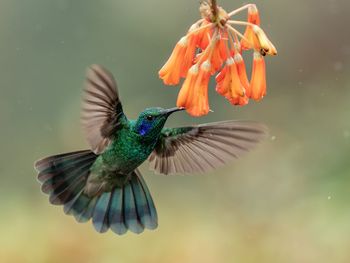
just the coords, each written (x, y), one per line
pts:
(258, 81)
(194, 92)
(253, 18)
(229, 84)
(204, 37)
(171, 71)
(242, 73)
(262, 42)
(211, 42)
(190, 50)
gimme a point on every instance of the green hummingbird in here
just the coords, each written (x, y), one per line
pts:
(104, 182)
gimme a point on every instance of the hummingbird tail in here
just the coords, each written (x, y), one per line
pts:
(64, 177)
(128, 207)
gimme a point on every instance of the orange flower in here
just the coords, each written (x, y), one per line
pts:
(229, 84)
(263, 43)
(216, 56)
(258, 80)
(186, 94)
(242, 73)
(210, 42)
(204, 35)
(194, 92)
(241, 101)
(195, 34)
(171, 71)
(253, 18)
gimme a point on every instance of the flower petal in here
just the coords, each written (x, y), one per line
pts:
(258, 80)
(215, 54)
(204, 36)
(228, 81)
(242, 73)
(263, 43)
(219, 77)
(241, 101)
(194, 36)
(194, 92)
(254, 18)
(216, 59)
(171, 71)
(185, 95)
(189, 55)
(236, 88)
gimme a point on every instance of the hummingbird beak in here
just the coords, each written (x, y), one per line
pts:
(172, 110)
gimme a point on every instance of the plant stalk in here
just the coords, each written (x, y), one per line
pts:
(214, 8)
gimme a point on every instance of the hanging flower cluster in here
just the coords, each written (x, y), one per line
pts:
(212, 45)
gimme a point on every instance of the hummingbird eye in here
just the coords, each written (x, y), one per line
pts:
(150, 118)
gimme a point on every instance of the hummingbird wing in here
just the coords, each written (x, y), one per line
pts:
(202, 148)
(102, 111)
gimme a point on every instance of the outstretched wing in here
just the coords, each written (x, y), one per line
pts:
(102, 112)
(198, 149)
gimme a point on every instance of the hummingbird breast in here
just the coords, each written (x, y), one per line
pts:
(126, 152)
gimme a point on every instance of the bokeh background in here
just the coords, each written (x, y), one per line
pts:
(287, 201)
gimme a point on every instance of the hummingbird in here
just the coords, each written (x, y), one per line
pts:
(104, 183)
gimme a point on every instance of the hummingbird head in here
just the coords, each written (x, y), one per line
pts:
(151, 121)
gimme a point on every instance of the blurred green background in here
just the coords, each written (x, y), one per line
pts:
(287, 201)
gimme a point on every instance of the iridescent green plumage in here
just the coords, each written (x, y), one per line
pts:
(105, 184)
(130, 146)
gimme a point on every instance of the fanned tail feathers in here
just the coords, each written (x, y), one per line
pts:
(130, 207)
